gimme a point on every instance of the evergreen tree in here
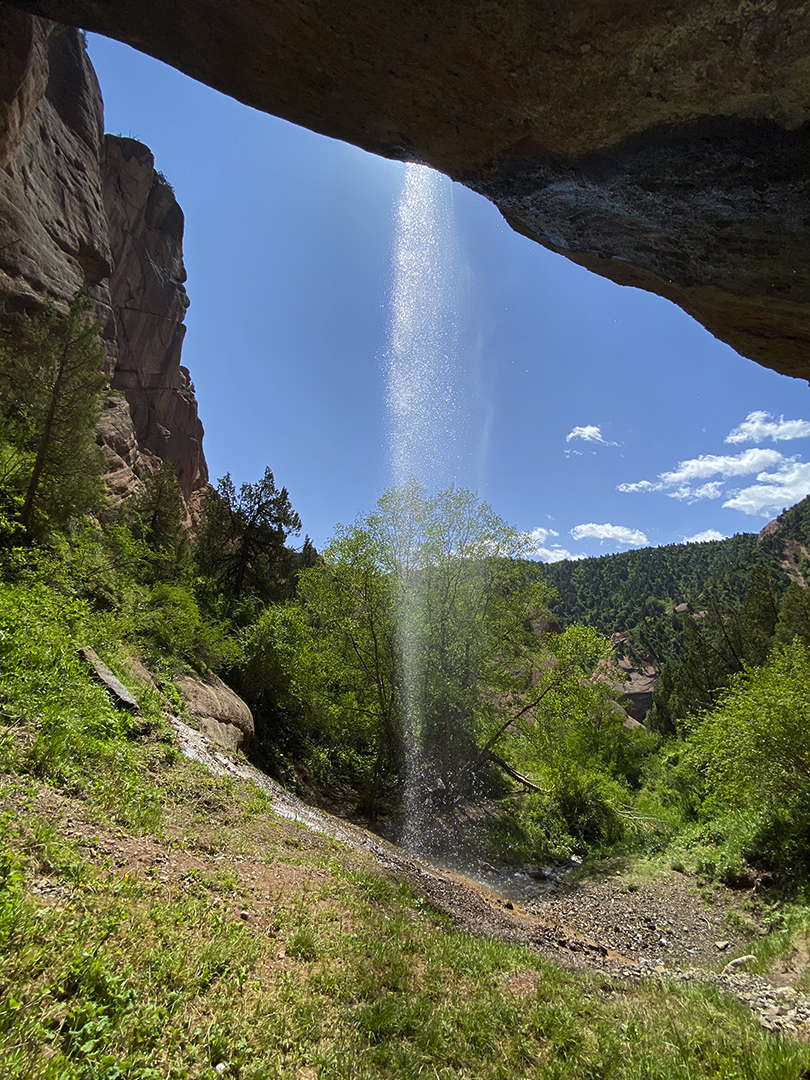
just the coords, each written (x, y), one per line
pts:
(794, 616)
(717, 643)
(51, 379)
(759, 615)
(241, 545)
(157, 517)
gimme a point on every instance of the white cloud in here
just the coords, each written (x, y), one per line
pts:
(619, 533)
(705, 537)
(780, 481)
(540, 535)
(712, 490)
(773, 490)
(588, 433)
(540, 551)
(678, 482)
(555, 554)
(641, 485)
(699, 468)
(761, 425)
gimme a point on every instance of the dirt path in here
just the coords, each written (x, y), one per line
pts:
(625, 928)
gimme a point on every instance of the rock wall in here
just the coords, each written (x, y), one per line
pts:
(81, 209)
(662, 143)
(149, 305)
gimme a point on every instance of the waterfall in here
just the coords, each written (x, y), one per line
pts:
(431, 430)
(426, 426)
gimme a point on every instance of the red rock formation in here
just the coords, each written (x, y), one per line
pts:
(640, 678)
(78, 209)
(149, 303)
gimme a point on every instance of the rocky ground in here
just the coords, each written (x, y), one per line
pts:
(616, 923)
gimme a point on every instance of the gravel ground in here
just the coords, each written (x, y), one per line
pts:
(616, 924)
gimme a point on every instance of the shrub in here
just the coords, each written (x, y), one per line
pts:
(753, 750)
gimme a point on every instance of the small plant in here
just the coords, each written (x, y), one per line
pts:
(161, 179)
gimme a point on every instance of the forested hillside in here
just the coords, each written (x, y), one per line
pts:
(616, 592)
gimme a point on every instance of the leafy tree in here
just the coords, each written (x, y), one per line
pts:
(51, 379)
(241, 545)
(753, 749)
(464, 628)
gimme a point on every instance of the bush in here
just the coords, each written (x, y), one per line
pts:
(753, 750)
(578, 810)
(59, 724)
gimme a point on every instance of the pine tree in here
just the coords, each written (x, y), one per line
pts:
(51, 380)
(794, 616)
(157, 517)
(242, 540)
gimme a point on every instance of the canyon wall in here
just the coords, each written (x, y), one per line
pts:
(664, 144)
(81, 209)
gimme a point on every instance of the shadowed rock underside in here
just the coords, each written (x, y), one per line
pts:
(660, 143)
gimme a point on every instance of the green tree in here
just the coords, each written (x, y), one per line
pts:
(319, 672)
(157, 517)
(241, 545)
(717, 643)
(416, 650)
(349, 599)
(464, 627)
(753, 750)
(794, 615)
(51, 377)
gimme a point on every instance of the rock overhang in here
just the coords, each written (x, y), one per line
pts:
(664, 145)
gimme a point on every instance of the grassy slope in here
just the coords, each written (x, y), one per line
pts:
(158, 922)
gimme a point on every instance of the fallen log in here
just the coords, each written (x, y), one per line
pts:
(122, 699)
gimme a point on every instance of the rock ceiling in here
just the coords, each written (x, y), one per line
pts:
(660, 143)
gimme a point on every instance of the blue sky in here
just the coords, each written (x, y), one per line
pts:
(599, 417)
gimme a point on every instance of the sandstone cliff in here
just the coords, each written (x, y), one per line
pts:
(81, 208)
(149, 305)
(661, 143)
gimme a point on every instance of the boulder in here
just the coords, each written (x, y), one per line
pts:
(661, 143)
(220, 713)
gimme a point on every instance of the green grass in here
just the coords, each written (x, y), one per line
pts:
(337, 973)
(157, 923)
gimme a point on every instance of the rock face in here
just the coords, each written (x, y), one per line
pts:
(53, 229)
(661, 143)
(218, 711)
(81, 209)
(149, 304)
(638, 678)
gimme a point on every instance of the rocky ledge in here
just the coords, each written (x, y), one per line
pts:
(661, 143)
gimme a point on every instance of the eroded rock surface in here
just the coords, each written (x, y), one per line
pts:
(220, 713)
(149, 305)
(661, 143)
(81, 209)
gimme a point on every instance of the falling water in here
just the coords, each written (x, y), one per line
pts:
(431, 397)
(429, 436)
